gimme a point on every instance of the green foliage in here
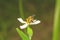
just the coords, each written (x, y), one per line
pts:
(29, 32)
(22, 35)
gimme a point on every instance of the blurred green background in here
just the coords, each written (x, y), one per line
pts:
(9, 12)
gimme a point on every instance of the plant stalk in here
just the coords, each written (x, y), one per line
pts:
(56, 28)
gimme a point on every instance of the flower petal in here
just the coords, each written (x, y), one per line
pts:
(35, 22)
(21, 20)
(23, 26)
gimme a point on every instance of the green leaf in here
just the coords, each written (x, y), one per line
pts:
(22, 35)
(29, 32)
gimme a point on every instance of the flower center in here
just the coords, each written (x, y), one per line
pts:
(29, 19)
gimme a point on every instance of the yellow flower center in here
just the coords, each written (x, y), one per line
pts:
(29, 19)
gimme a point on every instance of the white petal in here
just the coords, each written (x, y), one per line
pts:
(21, 20)
(23, 26)
(35, 22)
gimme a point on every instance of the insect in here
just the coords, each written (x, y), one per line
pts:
(30, 19)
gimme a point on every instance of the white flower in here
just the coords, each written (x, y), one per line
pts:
(29, 21)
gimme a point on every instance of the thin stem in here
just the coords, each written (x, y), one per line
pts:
(21, 9)
(56, 21)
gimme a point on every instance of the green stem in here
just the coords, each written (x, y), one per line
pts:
(56, 21)
(21, 9)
